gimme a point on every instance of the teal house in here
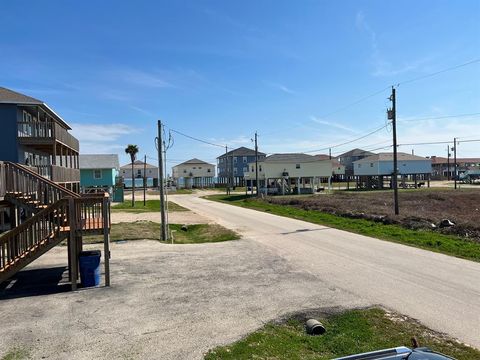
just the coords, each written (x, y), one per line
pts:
(99, 173)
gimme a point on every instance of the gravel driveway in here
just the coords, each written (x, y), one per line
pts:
(165, 302)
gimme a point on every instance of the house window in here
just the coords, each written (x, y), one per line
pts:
(194, 167)
(359, 166)
(139, 172)
(245, 169)
(260, 168)
(199, 167)
(297, 166)
(253, 169)
(234, 160)
(97, 174)
(209, 170)
(244, 159)
(371, 164)
(149, 171)
(235, 171)
(184, 171)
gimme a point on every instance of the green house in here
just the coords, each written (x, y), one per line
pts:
(99, 173)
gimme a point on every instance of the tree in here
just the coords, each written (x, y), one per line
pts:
(132, 150)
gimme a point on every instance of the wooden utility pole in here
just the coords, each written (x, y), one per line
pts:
(144, 180)
(256, 165)
(448, 162)
(163, 234)
(227, 178)
(392, 115)
(455, 174)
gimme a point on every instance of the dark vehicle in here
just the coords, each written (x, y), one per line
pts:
(399, 353)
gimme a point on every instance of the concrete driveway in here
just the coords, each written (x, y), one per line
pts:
(165, 302)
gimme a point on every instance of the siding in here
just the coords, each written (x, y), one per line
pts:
(87, 179)
(386, 167)
(8, 136)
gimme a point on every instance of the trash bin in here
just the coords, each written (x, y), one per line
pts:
(90, 268)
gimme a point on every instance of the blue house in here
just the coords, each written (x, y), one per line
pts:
(37, 137)
(233, 164)
(99, 172)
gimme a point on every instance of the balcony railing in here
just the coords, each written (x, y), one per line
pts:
(59, 174)
(46, 130)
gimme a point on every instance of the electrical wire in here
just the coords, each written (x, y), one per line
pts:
(350, 141)
(439, 117)
(438, 72)
(197, 139)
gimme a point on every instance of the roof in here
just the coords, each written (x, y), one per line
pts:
(291, 158)
(444, 160)
(389, 157)
(99, 161)
(241, 151)
(323, 157)
(8, 96)
(356, 152)
(194, 161)
(137, 164)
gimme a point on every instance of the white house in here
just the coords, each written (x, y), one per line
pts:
(140, 170)
(372, 170)
(194, 173)
(382, 164)
(290, 173)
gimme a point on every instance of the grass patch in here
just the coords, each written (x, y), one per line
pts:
(351, 332)
(141, 230)
(425, 239)
(150, 206)
(16, 354)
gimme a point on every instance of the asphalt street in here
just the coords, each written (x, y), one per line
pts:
(443, 292)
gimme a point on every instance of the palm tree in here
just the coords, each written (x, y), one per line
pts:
(132, 150)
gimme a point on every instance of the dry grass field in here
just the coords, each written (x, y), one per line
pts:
(418, 208)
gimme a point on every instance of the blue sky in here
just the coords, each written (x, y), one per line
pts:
(220, 70)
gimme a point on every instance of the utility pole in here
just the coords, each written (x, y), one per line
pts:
(330, 153)
(163, 234)
(455, 160)
(144, 180)
(448, 162)
(392, 115)
(233, 172)
(256, 165)
(227, 179)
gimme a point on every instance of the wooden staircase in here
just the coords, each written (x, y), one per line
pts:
(51, 214)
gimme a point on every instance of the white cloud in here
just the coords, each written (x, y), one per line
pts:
(101, 132)
(281, 87)
(146, 79)
(332, 124)
(382, 66)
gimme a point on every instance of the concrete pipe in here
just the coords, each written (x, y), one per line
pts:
(314, 327)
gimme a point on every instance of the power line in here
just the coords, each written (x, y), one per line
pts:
(438, 72)
(350, 141)
(440, 117)
(197, 139)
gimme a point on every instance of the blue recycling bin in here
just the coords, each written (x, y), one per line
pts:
(90, 267)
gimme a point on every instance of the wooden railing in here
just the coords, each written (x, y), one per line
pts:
(63, 174)
(92, 212)
(67, 218)
(46, 130)
(16, 178)
(29, 236)
(67, 215)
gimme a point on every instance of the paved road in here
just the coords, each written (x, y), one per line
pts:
(442, 292)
